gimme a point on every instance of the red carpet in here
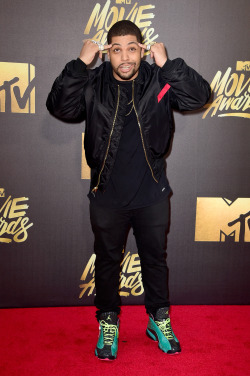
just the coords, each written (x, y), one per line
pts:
(60, 342)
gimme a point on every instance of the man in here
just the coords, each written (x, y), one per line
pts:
(127, 107)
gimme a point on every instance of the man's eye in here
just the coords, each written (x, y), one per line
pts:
(132, 49)
(116, 50)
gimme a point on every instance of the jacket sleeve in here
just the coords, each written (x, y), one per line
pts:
(66, 98)
(189, 91)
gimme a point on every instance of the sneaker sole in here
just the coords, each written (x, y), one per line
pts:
(106, 359)
(155, 339)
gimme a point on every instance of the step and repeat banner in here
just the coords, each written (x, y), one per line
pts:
(46, 242)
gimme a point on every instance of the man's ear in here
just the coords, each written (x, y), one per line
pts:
(142, 52)
(108, 54)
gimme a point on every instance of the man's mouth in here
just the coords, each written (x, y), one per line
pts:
(126, 67)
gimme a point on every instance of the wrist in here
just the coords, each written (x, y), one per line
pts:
(168, 66)
(84, 60)
(162, 62)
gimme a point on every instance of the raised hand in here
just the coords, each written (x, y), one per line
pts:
(90, 49)
(157, 52)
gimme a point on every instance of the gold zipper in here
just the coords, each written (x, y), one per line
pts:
(104, 161)
(142, 135)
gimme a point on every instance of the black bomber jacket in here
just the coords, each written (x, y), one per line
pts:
(94, 96)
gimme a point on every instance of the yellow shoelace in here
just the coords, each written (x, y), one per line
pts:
(166, 328)
(109, 332)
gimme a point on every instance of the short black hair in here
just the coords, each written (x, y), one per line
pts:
(124, 27)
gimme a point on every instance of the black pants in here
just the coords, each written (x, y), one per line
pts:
(110, 227)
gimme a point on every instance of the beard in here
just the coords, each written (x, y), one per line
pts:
(126, 76)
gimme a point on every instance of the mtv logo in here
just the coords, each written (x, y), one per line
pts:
(2, 192)
(221, 220)
(123, 1)
(243, 66)
(17, 88)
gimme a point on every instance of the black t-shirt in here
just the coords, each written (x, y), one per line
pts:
(131, 184)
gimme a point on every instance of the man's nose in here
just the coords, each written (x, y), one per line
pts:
(125, 56)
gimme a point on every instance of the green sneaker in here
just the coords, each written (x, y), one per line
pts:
(159, 329)
(107, 345)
